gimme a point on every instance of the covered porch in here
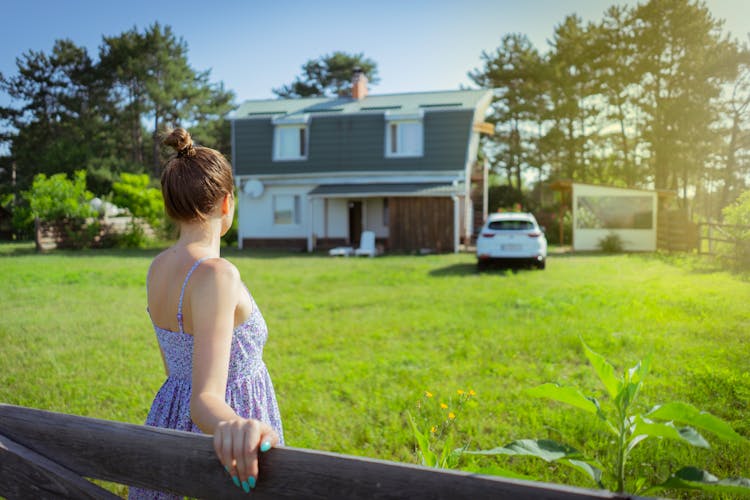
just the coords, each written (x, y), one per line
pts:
(405, 217)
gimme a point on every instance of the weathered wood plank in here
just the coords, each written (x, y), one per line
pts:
(26, 474)
(185, 463)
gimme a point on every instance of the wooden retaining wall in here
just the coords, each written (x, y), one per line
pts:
(49, 455)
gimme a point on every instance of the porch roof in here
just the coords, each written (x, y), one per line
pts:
(442, 189)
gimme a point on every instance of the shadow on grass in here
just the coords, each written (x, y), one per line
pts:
(470, 269)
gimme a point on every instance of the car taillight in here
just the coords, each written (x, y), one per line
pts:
(534, 234)
(488, 235)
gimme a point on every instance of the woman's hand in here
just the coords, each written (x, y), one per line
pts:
(237, 443)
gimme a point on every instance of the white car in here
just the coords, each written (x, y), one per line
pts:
(511, 238)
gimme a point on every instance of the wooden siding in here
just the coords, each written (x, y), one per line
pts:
(354, 143)
(417, 223)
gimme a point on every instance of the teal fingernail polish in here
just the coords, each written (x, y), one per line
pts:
(236, 481)
(265, 446)
(245, 487)
(251, 481)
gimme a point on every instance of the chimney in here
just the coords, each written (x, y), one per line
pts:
(359, 84)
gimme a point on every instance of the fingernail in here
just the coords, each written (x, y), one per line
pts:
(245, 487)
(236, 481)
(265, 446)
(251, 481)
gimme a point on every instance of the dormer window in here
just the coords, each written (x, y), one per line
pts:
(404, 135)
(290, 138)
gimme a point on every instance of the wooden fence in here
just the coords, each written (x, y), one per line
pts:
(712, 235)
(48, 455)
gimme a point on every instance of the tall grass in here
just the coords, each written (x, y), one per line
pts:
(354, 343)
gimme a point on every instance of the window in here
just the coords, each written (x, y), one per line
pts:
(404, 138)
(290, 142)
(286, 209)
(404, 133)
(290, 137)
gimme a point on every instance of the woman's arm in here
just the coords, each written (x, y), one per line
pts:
(213, 300)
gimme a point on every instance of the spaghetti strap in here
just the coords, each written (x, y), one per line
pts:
(182, 292)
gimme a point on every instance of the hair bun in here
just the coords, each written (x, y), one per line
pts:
(180, 140)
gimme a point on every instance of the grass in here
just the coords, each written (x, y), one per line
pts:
(354, 343)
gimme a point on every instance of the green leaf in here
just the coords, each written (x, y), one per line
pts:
(697, 479)
(604, 370)
(640, 370)
(595, 473)
(428, 457)
(546, 449)
(568, 395)
(666, 431)
(494, 470)
(688, 414)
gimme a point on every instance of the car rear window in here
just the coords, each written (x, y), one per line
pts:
(512, 225)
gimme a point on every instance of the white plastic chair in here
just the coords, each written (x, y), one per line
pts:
(366, 244)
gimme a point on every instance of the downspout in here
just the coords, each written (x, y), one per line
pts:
(238, 182)
(455, 223)
(311, 220)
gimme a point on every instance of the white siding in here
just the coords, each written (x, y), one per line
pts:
(256, 214)
(372, 209)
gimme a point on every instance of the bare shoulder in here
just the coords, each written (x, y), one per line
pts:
(218, 271)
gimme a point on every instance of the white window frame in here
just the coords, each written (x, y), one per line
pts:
(296, 219)
(397, 120)
(298, 124)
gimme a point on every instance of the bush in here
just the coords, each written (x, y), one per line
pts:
(58, 198)
(133, 191)
(612, 243)
(62, 207)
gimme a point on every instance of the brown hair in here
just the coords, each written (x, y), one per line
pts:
(194, 180)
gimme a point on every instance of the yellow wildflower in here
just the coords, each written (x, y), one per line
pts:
(428, 394)
(472, 393)
(451, 415)
(460, 392)
(443, 406)
(433, 429)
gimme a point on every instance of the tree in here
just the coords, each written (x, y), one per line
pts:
(570, 84)
(153, 77)
(55, 128)
(329, 75)
(682, 61)
(69, 112)
(514, 70)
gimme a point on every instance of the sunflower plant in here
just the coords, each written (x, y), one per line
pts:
(675, 421)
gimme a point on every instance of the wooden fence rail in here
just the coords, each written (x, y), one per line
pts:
(49, 455)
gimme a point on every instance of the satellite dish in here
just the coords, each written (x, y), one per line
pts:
(253, 188)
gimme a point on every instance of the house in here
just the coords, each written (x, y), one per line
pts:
(314, 173)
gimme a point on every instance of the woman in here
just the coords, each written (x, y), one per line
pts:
(210, 331)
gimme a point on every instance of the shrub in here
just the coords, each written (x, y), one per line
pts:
(58, 198)
(133, 191)
(62, 206)
(612, 243)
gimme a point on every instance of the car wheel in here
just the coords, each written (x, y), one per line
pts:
(541, 264)
(481, 265)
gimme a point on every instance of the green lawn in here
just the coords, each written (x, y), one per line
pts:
(354, 343)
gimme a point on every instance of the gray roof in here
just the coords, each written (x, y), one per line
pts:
(401, 103)
(384, 189)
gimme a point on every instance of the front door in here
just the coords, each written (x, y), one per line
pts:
(355, 222)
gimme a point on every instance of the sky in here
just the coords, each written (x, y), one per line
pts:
(254, 46)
